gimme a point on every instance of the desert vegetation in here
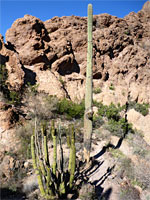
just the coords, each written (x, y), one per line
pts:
(70, 149)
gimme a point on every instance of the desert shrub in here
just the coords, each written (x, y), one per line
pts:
(140, 151)
(97, 121)
(97, 90)
(87, 192)
(116, 153)
(3, 77)
(24, 133)
(127, 32)
(44, 106)
(137, 174)
(116, 124)
(130, 193)
(142, 175)
(14, 98)
(139, 145)
(112, 87)
(120, 127)
(10, 96)
(111, 112)
(40, 105)
(32, 89)
(70, 109)
(141, 108)
(3, 84)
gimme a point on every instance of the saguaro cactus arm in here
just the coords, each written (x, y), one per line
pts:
(88, 90)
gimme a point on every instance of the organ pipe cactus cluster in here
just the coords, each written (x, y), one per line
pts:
(88, 115)
(53, 182)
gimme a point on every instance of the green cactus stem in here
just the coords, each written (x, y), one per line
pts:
(61, 154)
(62, 189)
(46, 172)
(42, 168)
(70, 153)
(53, 183)
(72, 158)
(54, 136)
(36, 168)
(47, 163)
(88, 90)
(68, 138)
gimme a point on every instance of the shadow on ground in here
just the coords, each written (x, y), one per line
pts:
(7, 194)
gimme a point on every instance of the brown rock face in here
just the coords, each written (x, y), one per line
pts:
(54, 52)
(10, 59)
(8, 116)
(146, 7)
(28, 35)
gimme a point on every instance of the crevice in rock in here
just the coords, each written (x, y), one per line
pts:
(3, 59)
(10, 46)
(29, 77)
(67, 95)
(69, 67)
(106, 76)
(63, 87)
(136, 76)
(96, 49)
(39, 59)
(111, 53)
(97, 75)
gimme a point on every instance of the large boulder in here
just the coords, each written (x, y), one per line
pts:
(28, 37)
(140, 122)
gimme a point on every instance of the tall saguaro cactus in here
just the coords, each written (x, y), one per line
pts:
(88, 91)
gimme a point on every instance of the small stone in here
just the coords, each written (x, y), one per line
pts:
(26, 164)
(69, 196)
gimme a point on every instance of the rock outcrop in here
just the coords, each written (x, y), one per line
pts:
(56, 49)
(10, 58)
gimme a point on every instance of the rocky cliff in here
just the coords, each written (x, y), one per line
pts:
(51, 52)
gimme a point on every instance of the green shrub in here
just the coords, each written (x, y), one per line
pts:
(71, 109)
(97, 90)
(3, 75)
(24, 133)
(32, 88)
(11, 96)
(127, 32)
(97, 121)
(116, 153)
(14, 98)
(111, 111)
(129, 192)
(116, 124)
(3, 78)
(120, 127)
(141, 108)
(112, 87)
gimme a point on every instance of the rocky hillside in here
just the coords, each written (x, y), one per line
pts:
(42, 62)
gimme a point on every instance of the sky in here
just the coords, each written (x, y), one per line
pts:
(11, 10)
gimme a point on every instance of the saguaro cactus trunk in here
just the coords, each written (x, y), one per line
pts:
(88, 90)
